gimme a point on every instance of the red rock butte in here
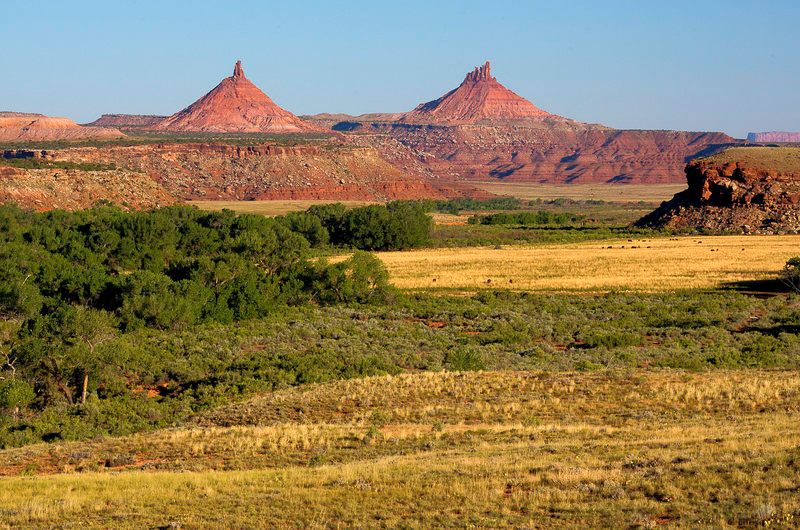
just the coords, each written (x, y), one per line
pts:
(479, 98)
(235, 105)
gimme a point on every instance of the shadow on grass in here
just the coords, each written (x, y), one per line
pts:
(759, 287)
(774, 331)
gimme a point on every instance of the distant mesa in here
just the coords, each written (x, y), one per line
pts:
(479, 98)
(774, 137)
(235, 105)
(127, 121)
(19, 126)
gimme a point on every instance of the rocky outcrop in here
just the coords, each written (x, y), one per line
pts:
(747, 189)
(236, 105)
(336, 170)
(72, 189)
(22, 127)
(774, 137)
(127, 121)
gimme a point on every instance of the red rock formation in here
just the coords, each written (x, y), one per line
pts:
(127, 121)
(479, 98)
(482, 131)
(20, 127)
(72, 189)
(748, 189)
(336, 170)
(236, 105)
(565, 154)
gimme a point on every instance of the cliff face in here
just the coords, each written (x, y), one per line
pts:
(774, 137)
(749, 189)
(234, 105)
(545, 154)
(333, 171)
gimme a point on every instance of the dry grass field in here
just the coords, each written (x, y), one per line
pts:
(657, 264)
(652, 193)
(269, 208)
(782, 159)
(484, 449)
(649, 193)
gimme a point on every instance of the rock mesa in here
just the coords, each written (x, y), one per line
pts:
(21, 127)
(745, 189)
(774, 137)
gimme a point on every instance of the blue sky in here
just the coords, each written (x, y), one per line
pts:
(730, 65)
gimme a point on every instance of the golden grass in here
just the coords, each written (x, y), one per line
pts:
(271, 208)
(659, 264)
(783, 159)
(653, 193)
(637, 449)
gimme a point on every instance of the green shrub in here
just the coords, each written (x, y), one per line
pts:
(614, 340)
(464, 360)
(15, 394)
(360, 279)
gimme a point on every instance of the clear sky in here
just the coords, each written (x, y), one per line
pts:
(729, 65)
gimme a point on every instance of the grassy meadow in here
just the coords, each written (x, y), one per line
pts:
(648, 193)
(654, 264)
(268, 208)
(583, 374)
(512, 449)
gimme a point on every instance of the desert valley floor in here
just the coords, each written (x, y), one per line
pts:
(473, 311)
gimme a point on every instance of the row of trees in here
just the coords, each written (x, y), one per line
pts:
(538, 218)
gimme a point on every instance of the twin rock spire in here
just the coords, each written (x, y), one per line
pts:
(481, 73)
(237, 70)
(237, 105)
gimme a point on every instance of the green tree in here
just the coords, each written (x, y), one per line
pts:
(791, 274)
(360, 279)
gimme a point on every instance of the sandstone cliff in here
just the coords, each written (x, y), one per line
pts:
(746, 189)
(555, 155)
(340, 169)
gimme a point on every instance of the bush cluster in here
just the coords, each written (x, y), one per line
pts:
(397, 226)
(73, 282)
(538, 218)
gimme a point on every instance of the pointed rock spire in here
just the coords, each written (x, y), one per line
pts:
(234, 105)
(481, 73)
(237, 70)
(479, 98)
